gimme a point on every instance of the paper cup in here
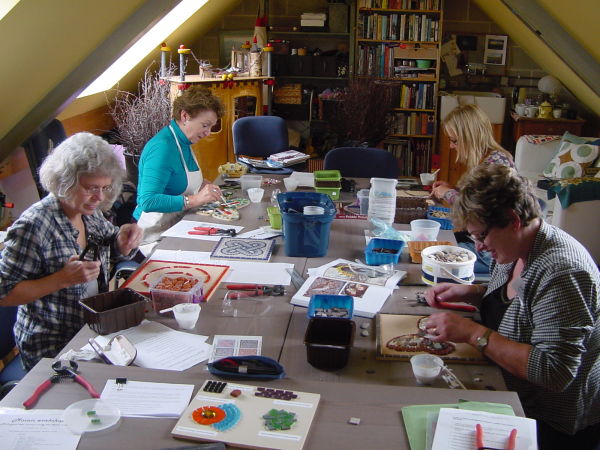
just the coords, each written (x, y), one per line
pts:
(255, 194)
(290, 184)
(186, 315)
(427, 179)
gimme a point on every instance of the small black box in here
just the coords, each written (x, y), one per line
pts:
(328, 342)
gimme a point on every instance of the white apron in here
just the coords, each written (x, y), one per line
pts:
(154, 223)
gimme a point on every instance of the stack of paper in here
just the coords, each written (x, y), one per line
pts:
(313, 19)
(288, 158)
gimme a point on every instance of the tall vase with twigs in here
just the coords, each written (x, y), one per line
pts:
(139, 116)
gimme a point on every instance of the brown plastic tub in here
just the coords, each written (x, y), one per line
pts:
(328, 342)
(114, 311)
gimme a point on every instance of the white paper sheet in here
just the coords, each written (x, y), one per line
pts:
(239, 271)
(181, 228)
(260, 233)
(35, 429)
(455, 430)
(160, 347)
(144, 399)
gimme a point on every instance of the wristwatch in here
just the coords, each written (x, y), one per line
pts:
(482, 341)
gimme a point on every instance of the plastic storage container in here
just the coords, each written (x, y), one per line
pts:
(328, 342)
(250, 181)
(374, 258)
(382, 199)
(363, 201)
(328, 182)
(424, 230)
(305, 235)
(409, 208)
(434, 271)
(320, 303)
(165, 298)
(441, 215)
(114, 311)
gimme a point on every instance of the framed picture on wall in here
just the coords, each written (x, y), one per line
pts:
(229, 40)
(495, 49)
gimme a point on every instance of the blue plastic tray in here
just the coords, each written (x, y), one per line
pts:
(374, 258)
(330, 301)
(446, 224)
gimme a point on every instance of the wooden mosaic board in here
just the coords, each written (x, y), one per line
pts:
(250, 431)
(152, 270)
(402, 331)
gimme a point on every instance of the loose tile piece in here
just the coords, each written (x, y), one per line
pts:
(354, 421)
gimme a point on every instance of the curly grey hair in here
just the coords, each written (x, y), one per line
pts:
(79, 155)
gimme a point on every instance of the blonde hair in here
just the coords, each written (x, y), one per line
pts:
(474, 134)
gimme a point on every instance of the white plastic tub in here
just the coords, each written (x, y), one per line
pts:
(434, 271)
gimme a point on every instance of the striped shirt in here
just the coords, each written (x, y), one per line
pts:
(556, 311)
(39, 244)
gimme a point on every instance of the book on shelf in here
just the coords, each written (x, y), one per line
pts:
(287, 158)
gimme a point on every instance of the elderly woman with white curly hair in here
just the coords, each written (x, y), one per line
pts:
(40, 269)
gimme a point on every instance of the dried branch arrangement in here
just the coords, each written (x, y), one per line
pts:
(138, 117)
(364, 114)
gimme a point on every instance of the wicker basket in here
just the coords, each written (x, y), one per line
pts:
(410, 208)
(415, 248)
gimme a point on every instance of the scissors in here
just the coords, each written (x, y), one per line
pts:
(212, 231)
(62, 370)
(254, 290)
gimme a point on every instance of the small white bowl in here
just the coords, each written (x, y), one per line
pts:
(290, 184)
(427, 179)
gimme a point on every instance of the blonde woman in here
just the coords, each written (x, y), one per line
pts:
(470, 133)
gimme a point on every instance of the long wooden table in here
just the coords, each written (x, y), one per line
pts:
(368, 388)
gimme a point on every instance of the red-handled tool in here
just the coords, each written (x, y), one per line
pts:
(32, 400)
(63, 370)
(455, 306)
(254, 290)
(213, 231)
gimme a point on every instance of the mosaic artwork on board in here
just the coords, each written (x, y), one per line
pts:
(243, 249)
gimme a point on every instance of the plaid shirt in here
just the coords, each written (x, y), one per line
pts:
(39, 244)
(556, 311)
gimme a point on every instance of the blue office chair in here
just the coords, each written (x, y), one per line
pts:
(362, 162)
(261, 136)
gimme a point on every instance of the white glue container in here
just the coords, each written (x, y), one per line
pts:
(382, 199)
(435, 270)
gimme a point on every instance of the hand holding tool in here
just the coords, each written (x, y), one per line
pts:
(93, 245)
(254, 290)
(212, 231)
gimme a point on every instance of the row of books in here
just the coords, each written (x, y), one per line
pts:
(377, 60)
(400, 4)
(413, 123)
(417, 96)
(414, 155)
(399, 27)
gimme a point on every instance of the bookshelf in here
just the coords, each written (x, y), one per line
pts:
(399, 42)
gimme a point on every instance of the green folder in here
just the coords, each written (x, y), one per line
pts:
(418, 418)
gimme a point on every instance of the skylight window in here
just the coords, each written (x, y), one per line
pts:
(6, 6)
(144, 46)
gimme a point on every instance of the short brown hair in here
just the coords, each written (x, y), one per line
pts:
(489, 192)
(196, 99)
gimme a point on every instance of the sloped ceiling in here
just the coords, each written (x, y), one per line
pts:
(561, 37)
(57, 47)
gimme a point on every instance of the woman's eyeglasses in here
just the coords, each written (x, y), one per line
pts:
(95, 190)
(480, 237)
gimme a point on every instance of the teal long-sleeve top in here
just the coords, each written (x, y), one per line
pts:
(161, 174)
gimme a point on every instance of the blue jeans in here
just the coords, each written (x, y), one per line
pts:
(482, 265)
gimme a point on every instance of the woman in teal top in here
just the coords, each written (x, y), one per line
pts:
(170, 178)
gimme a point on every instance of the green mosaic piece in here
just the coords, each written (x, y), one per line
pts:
(279, 420)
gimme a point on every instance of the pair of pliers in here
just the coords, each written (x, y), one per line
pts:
(446, 305)
(254, 290)
(62, 372)
(510, 444)
(212, 231)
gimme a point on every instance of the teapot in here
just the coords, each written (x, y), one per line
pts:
(545, 110)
